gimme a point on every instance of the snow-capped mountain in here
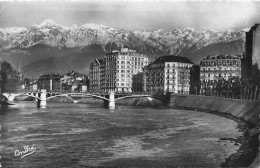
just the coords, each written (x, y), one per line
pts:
(50, 47)
(52, 34)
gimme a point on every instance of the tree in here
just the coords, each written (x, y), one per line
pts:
(195, 79)
(8, 78)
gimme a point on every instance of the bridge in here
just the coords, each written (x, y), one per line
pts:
(108, 98)
(4, 101)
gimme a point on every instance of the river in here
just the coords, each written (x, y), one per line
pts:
(89, 135)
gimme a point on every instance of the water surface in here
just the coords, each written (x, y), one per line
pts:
(80, 135)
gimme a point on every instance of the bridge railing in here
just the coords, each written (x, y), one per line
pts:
(101, 92)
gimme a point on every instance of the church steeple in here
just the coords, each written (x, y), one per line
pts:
(19, 69)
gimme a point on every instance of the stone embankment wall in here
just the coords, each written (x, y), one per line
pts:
(243, 109)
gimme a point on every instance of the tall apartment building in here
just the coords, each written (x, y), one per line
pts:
(168, 74)
(95, 75)
(117, 70)
(220, 67)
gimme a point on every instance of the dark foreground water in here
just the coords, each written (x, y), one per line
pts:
(82, 135)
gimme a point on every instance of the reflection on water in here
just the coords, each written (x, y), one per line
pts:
(73, 135)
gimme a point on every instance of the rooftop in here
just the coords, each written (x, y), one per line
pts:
(171, 58)
(222, 56)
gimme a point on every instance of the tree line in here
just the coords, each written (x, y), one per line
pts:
(9, 79)
(235, 88)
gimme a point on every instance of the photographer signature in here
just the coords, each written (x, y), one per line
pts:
(27, 151)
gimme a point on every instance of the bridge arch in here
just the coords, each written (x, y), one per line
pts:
(135, 96)
(11, 97)
(63, 95)
(90, 95)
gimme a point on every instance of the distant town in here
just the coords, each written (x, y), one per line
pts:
(127, 71)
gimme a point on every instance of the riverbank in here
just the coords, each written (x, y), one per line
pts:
(248, 144)
(242, 109)
(244, 112)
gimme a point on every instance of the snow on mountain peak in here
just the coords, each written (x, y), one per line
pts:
(13, 30)
(189, 29)
(93, 26)
(74, 26)
(246, 29)
(48, 22)
(52, 34)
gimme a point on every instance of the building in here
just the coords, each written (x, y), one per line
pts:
(116, 71)
(251, 57)
(220, 67)
(50, 82)
(138, 82)
(120, 66)
(83, 86)
(168, 74)
(95, 75)
(30, 85)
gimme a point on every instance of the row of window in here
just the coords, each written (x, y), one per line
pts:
(124, 71)
(123, 80)
(123, 75)
(129, 63)
(224, 62)
(219, 75)
(123, 84)
(132, 58)
(220, 69)
(109, 59)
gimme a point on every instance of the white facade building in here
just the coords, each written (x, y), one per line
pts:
(118, 69)
(220, 67)
(169, 74)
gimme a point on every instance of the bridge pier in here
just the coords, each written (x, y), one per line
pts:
(42, 102)
(112, 104)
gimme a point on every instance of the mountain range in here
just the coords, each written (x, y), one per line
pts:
(50, 47)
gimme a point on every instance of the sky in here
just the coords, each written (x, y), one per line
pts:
(133, 15)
